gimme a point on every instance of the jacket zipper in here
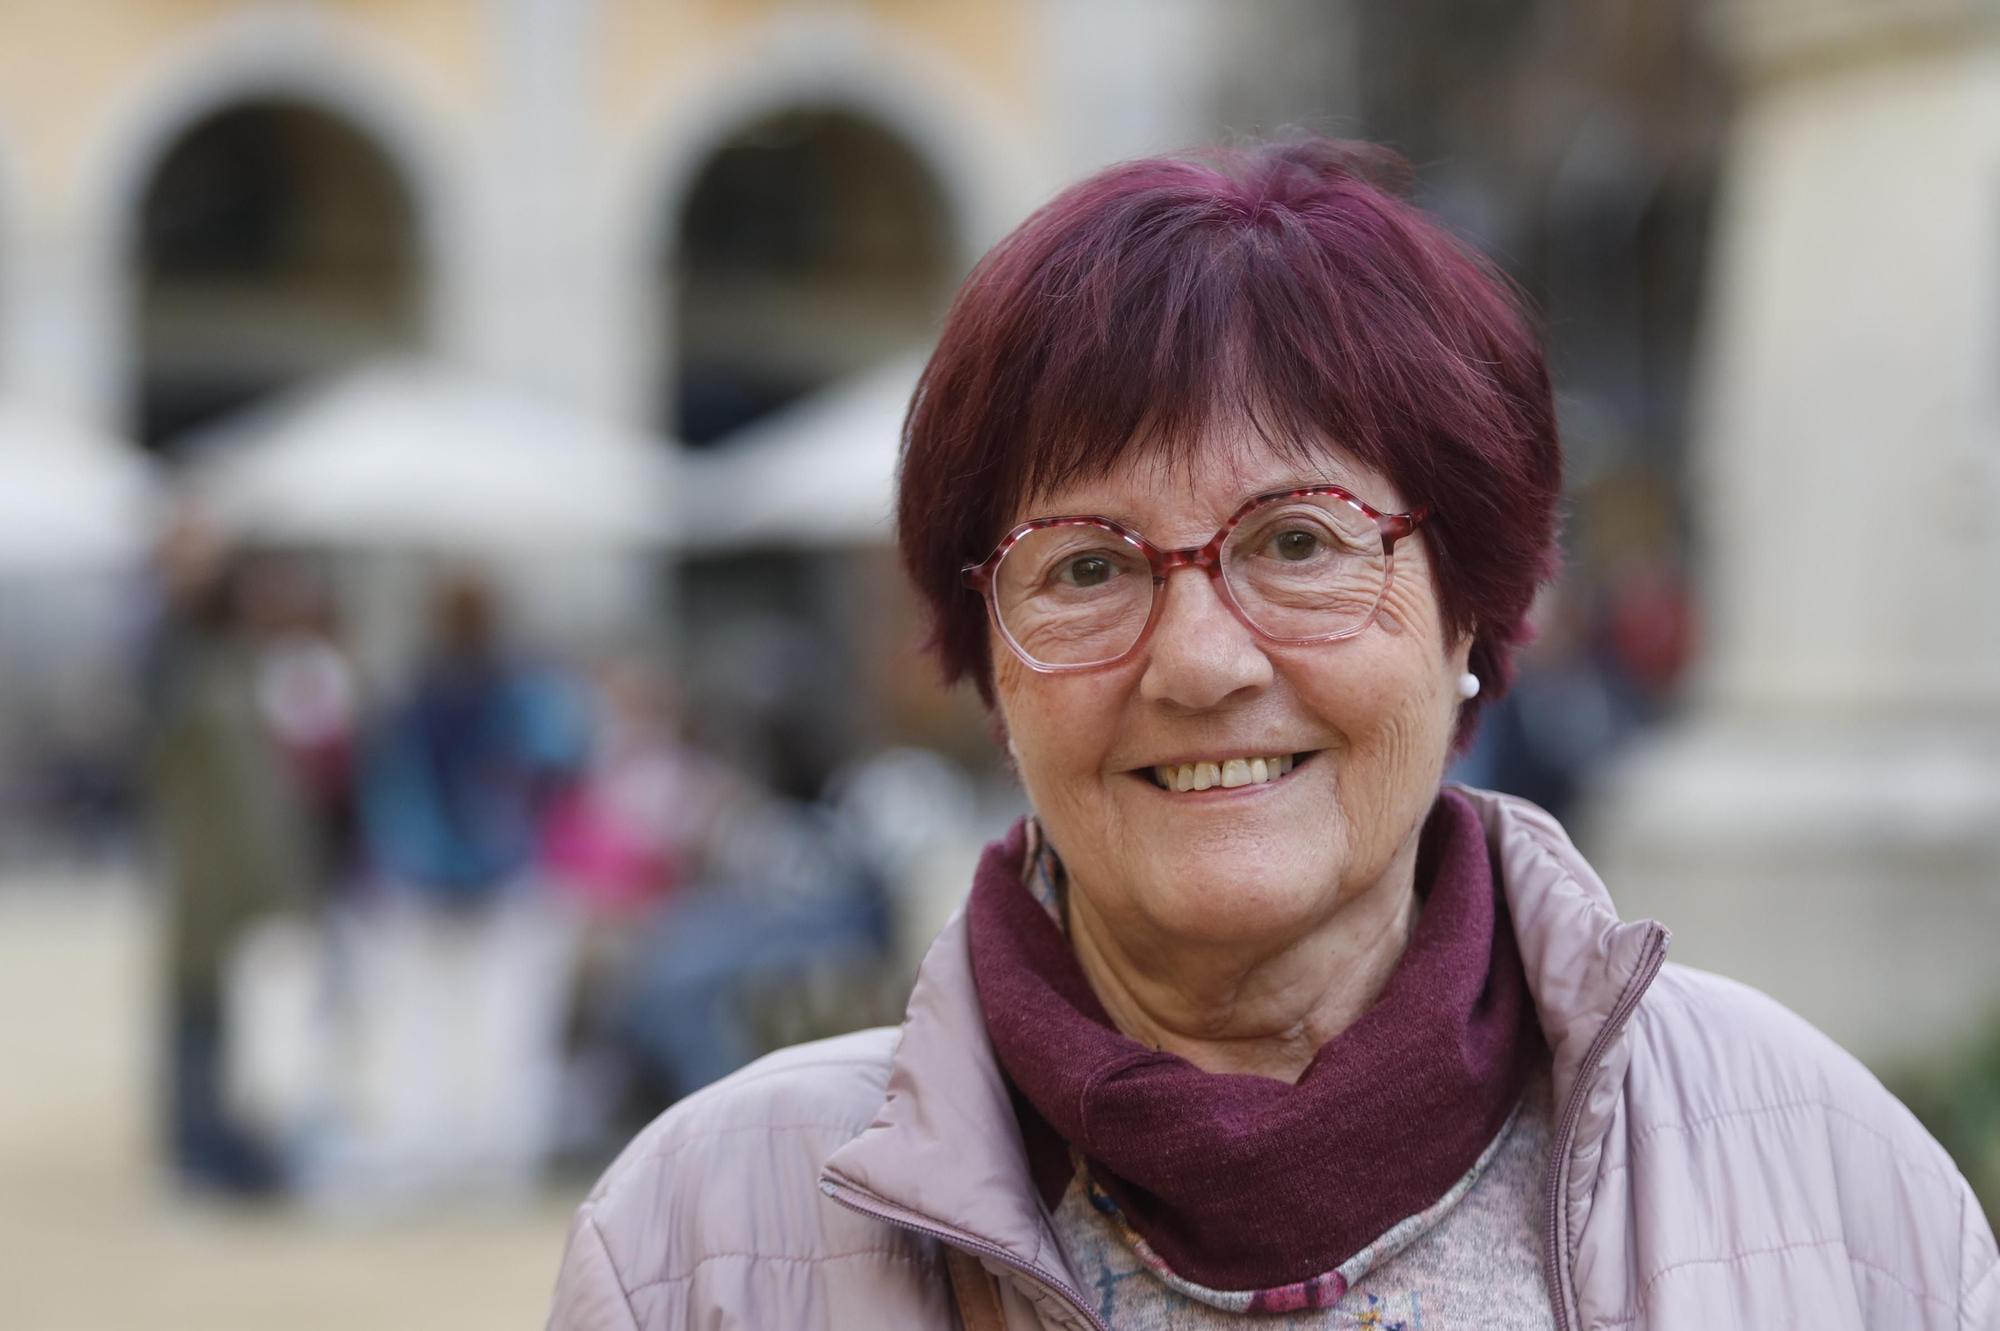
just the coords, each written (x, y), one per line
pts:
(852, 1199)
(1649, 967)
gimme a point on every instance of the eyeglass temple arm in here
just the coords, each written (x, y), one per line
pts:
(1395, 526)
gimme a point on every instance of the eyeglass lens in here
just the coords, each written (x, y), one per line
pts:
(1297, 568)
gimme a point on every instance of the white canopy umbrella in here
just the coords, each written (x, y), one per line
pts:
(411, 454)
(819, 472)
(72, 500)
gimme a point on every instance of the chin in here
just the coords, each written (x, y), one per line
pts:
(1234, 898)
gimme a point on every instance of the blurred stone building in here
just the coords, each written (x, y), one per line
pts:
(733, 224)
(678, 216)
(682, 213)
(687, 215)
(1823, 820)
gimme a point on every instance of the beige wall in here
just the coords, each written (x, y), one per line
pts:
(648, 46)
(557, 237)
(76, 78)
(72, 76)
(63, 68)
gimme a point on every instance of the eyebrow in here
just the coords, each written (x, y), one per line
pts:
(1123, 516)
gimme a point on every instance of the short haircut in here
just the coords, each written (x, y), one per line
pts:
(1291, 284)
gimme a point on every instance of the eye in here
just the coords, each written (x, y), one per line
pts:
(1086, 571)
(1296, 544)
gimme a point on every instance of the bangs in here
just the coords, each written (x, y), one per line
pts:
(1131, 337)
(1106, 398)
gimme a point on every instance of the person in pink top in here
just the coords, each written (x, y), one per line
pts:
(1228, 487)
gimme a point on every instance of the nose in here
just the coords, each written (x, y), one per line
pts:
(1200, 654)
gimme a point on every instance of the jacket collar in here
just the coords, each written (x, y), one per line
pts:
(1581, 959)
(945, 1146)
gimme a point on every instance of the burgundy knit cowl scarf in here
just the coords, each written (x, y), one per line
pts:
(1241, 1182)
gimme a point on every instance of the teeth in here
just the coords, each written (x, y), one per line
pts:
(1228, 774)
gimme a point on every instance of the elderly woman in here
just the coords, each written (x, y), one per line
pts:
(1229, 487)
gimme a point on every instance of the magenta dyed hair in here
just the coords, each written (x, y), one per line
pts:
(1289, 284)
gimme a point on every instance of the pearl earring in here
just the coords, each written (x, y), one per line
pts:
(1468, 686)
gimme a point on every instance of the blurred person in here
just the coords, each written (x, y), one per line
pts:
(901, 800)
(453, 964)
(1559, 720)
(310, 696)
(916, 813)
(457, 778)
(621, 835)
(232, 833)
(762, 678)
(1649, 631)
(783, 892)
(1229, 485)
(1644, 617)
(623, 838)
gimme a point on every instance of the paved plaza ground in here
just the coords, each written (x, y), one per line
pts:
(91, 1238)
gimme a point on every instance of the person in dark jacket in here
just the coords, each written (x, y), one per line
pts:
(234, 842)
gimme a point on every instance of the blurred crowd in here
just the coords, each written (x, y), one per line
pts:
(442, 925)
(445, 925)
(436, 934)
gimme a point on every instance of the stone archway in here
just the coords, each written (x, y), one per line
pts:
(274, 242)
(811, 245)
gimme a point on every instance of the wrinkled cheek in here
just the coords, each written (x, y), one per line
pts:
(1061, 721)
(1399, 769)
(1014, 712)
(1043, 746)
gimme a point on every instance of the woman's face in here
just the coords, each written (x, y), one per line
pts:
(1371, 717)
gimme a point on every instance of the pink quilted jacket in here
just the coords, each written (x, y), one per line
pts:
(1717, 1162)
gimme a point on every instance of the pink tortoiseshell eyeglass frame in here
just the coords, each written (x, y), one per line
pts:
(1208, 558)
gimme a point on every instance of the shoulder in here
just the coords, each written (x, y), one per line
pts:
(797, 1095)
(1759, 1134)
(1711, 1055)
(728, 1178)
(1708, 1047)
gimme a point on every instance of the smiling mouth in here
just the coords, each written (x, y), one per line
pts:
(1228, 774)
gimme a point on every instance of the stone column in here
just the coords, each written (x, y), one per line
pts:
(59, 327)
(538, 299)
(1824, 822)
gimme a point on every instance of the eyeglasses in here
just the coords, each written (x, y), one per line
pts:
(1295, 566)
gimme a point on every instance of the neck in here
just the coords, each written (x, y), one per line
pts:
(1262, 1012)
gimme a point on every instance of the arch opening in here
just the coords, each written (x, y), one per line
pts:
(276, 244)
(812, 245)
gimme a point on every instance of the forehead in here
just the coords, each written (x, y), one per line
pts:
(1230, 463)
